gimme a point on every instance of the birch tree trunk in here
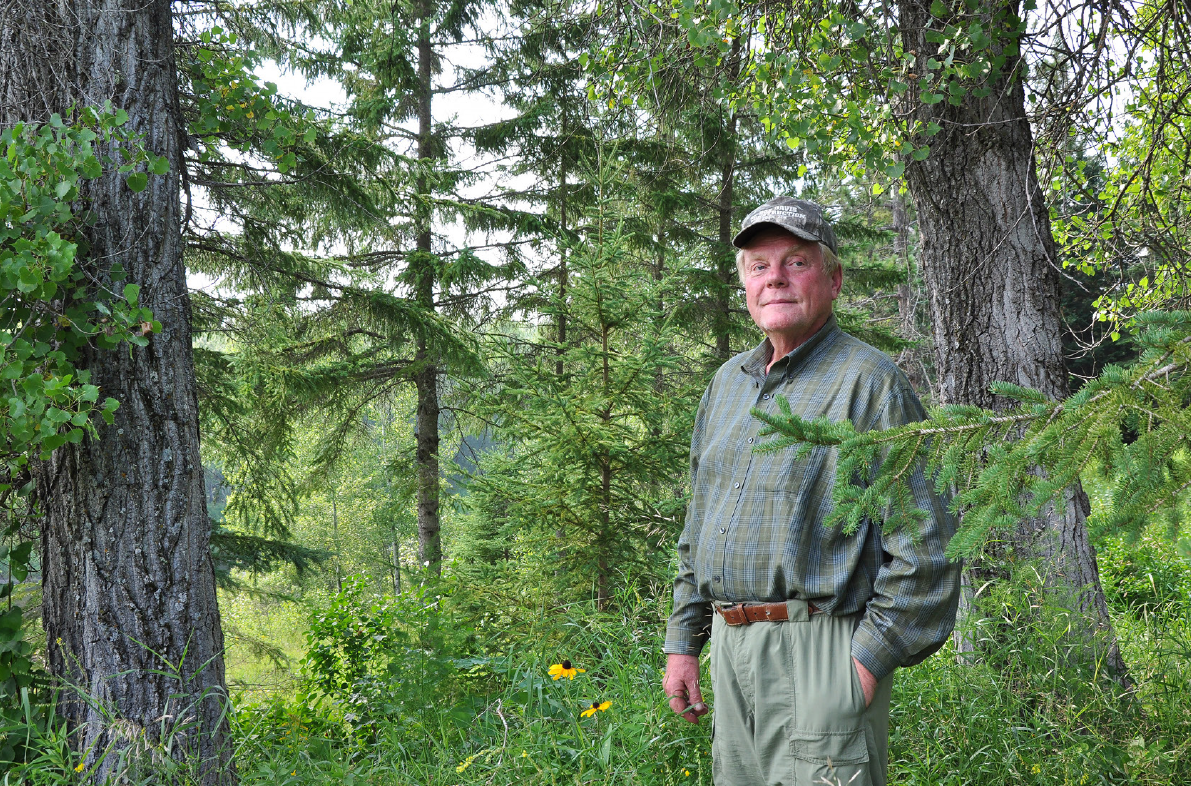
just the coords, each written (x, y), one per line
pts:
(129, 602)
(991, 271)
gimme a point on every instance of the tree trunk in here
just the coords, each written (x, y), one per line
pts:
(725, 256)
(338, 548)
(562, 251)
(603, 564)
(910, 359)
(129, 594)
(426, 380)
(990, 266)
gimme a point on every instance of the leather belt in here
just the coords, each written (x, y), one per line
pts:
(741, 614)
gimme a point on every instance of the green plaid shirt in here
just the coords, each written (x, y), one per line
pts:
(755, 525)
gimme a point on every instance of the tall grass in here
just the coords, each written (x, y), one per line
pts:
(462, 695)
(1029, 710)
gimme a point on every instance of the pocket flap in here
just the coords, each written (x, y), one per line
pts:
(847, 747)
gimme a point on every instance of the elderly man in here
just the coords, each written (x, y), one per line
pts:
(807, 624)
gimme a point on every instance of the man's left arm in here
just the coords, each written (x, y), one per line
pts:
(916, 590)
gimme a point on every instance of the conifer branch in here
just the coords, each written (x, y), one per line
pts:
(1007, 465)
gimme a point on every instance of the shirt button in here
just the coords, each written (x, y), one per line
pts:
(722, 530)
(765, 396)
(715, 578)
(736, 486)
(750, 440)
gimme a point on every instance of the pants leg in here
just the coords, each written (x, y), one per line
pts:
(789, 708)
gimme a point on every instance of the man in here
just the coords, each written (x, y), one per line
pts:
(808, 623)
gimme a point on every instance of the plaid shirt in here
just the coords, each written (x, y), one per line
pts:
(755, 524)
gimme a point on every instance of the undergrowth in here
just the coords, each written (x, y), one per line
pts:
(1028, 710)
(450, 685)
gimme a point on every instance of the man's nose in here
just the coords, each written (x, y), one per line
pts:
(775, 277)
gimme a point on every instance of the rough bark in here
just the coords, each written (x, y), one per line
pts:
(989, 262)
(426, 380)
(129, 601)
(910, 359)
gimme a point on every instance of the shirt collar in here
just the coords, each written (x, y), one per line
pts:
(755, 362)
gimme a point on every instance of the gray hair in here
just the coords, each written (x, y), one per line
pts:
(830, 259)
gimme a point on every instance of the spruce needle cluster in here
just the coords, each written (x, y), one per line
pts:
(1003, 466)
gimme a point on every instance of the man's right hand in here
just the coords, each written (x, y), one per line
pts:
(681, 684)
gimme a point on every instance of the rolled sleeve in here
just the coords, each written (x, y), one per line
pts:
(689, 626)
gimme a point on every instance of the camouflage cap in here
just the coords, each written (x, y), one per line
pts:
(797, 216)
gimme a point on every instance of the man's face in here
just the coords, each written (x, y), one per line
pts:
(788, 293)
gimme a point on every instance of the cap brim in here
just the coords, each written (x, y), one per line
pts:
(747, 234)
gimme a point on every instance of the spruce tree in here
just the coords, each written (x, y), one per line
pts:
(588, 463)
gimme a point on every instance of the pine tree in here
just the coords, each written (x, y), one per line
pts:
(585, 476)
(554, 132)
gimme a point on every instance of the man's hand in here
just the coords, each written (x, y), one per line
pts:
(681, 684)
(867, 681)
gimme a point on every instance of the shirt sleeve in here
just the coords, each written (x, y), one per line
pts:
(689, 626)
(916, 591)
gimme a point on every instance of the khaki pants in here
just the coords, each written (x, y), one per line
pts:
(788, 706)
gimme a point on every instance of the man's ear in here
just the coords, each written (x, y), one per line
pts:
(837, 281)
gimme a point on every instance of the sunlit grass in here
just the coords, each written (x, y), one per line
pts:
(1028, 712)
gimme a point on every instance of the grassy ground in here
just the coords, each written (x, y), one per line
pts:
(1030, 711)
(451, 687)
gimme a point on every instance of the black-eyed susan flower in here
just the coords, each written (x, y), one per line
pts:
(564, 669)
(596, 706)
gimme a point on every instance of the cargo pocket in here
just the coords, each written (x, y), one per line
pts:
(831, 748)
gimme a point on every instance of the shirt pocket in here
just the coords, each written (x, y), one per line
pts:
(785, 472)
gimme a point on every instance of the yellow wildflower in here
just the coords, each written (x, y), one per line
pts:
(594, 708)
(80, 767)
(564, 669)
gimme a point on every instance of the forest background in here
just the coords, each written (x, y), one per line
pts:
(449, 326)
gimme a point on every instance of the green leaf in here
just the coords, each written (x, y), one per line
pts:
(131, 293)
(91, 168)
(160, 165)
(137, 181)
